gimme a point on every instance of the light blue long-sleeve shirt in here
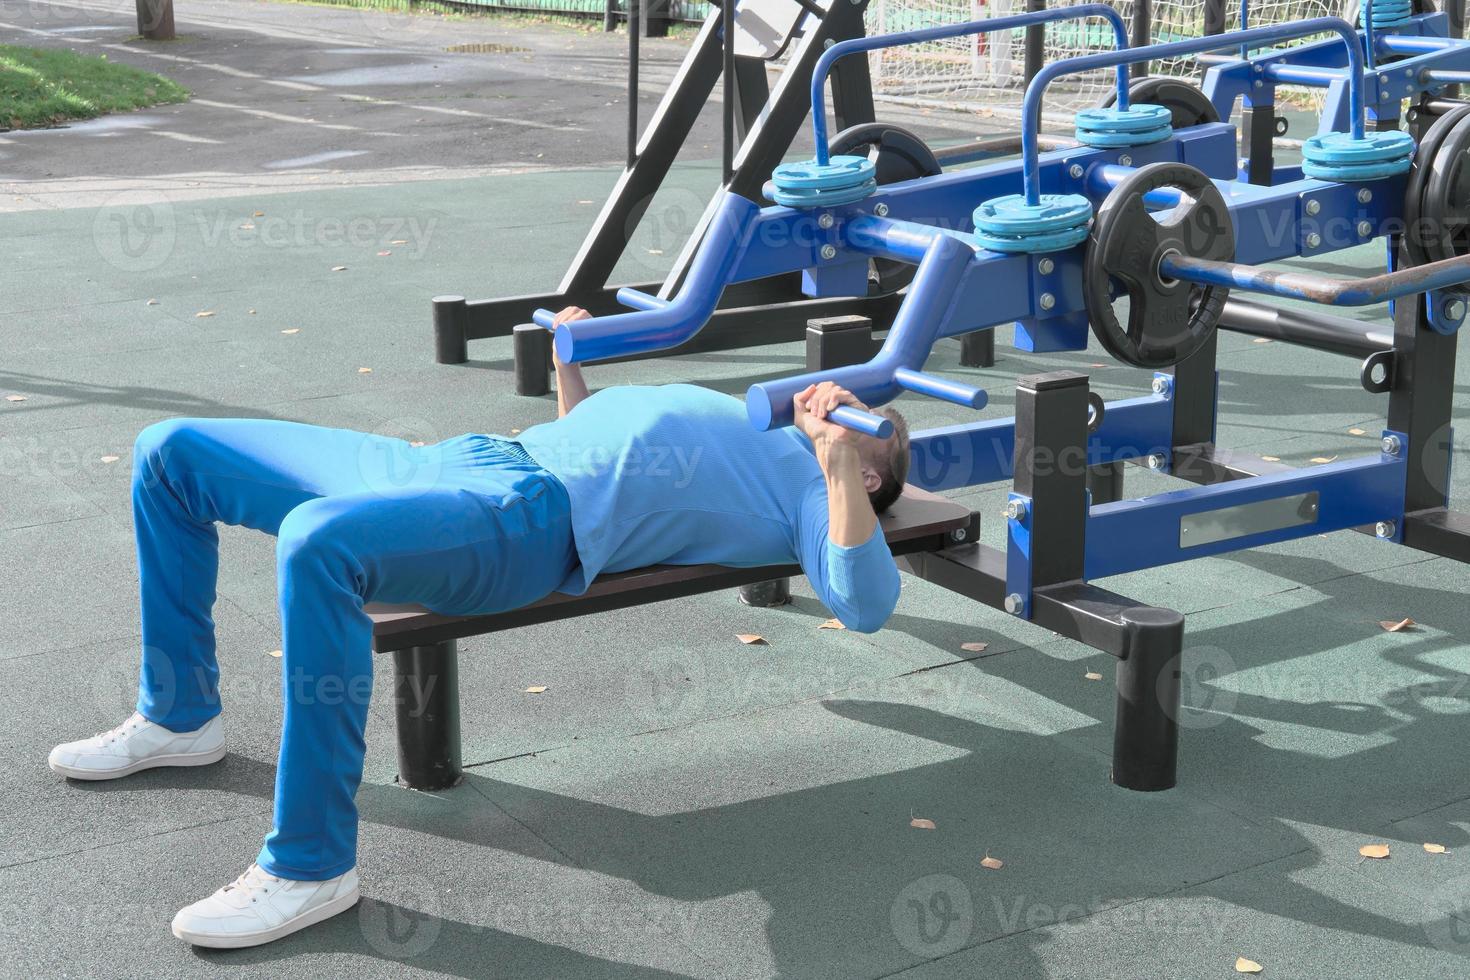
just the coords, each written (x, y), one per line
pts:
(677, 475)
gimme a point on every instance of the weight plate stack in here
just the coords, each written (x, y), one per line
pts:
(842, 180)
(1341, 157)
(1009, 224)
(1137, 125)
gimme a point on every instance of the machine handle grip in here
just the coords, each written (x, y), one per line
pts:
(942, 388)
(544, 318)
(859, 421)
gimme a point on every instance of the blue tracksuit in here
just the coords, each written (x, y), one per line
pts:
(475, 524)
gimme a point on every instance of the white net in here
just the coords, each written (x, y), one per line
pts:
(985, 73)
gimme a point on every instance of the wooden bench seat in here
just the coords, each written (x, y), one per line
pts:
(918, 521)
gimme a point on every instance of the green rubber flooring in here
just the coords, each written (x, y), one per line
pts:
(676, 803)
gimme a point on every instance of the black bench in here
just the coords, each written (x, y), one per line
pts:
(425, 668)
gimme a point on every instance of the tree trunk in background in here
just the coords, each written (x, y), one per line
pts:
(156, 19)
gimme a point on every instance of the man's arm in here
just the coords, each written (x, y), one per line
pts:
(849, 512)
(841, 547)
(570, 388)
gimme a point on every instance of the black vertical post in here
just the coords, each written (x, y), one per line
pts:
(426, 710)
(635, 8)
(610, 16)
(1146, 724)
(656, 18)
(1214, 17)
(1194, 398)
(1257, 130)
(1143, 16)
(451, 324)
(977, 349)
(1422, 400)
(1035, 42)
(1105, 480)
(1455, 11)
(727, 108)
(1051, 471)
(852, 92)
(752, 91)
(838, 341)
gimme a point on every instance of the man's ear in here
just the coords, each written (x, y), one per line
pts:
(871, 480)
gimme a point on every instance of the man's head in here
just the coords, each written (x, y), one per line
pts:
(886, 461)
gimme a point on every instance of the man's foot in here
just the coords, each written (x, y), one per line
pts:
(260, 908)
(138, 744)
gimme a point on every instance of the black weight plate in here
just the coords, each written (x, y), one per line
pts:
(1415, 237)
(1167, 320)
(1187, 105)
(1445, 203)
(897, 155)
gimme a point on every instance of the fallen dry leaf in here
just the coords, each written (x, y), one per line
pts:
(110, 459)
(339, 268)
(655, 251)
(399, 241)
(974, 646)
(1375, 851)
(536, 689)
(751, 638)
(153, 302)
(273, 653)
(1093, 675)
(260, 214)
(1391, 626)
(1356, 432)
(364, 370)
(1323, 459)
(15, 398)
(204, 313)
(291, 330)
(248, 226)
(515, 431)
(922, 823)
(1261, 340)
(994, 864)
(251, 312)
(832, 624)
(1243, 965)
(1436, 849)
(1272, 459)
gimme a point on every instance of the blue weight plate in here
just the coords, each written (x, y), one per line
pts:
(1392, 8)
(1010, 216)
(818, 197)
(1135, 119)
(842, 171)
(1124, 139)
(1354, 172)
(1332, 148)
(1053, 241)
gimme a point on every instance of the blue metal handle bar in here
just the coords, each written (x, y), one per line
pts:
(915, 328)
(901, 38)
(654, 327)
(1319, 289)
(1031, 107)
(859, 421)
(944, 389)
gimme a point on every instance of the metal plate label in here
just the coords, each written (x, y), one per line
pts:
(1210, 526)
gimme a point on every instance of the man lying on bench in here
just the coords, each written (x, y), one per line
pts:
(629, 477)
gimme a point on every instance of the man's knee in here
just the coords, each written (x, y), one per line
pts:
(315, 540)
(164, 444)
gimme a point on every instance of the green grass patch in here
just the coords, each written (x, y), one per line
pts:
(40, 87)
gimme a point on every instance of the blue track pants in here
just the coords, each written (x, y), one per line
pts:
(469, 525)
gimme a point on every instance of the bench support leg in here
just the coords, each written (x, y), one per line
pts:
(426, 702)
(1146, 730)
(451, 336)
(776, 592)
(531, 347)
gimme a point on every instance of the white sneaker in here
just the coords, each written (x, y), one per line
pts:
(259, 908)
(138, 744)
